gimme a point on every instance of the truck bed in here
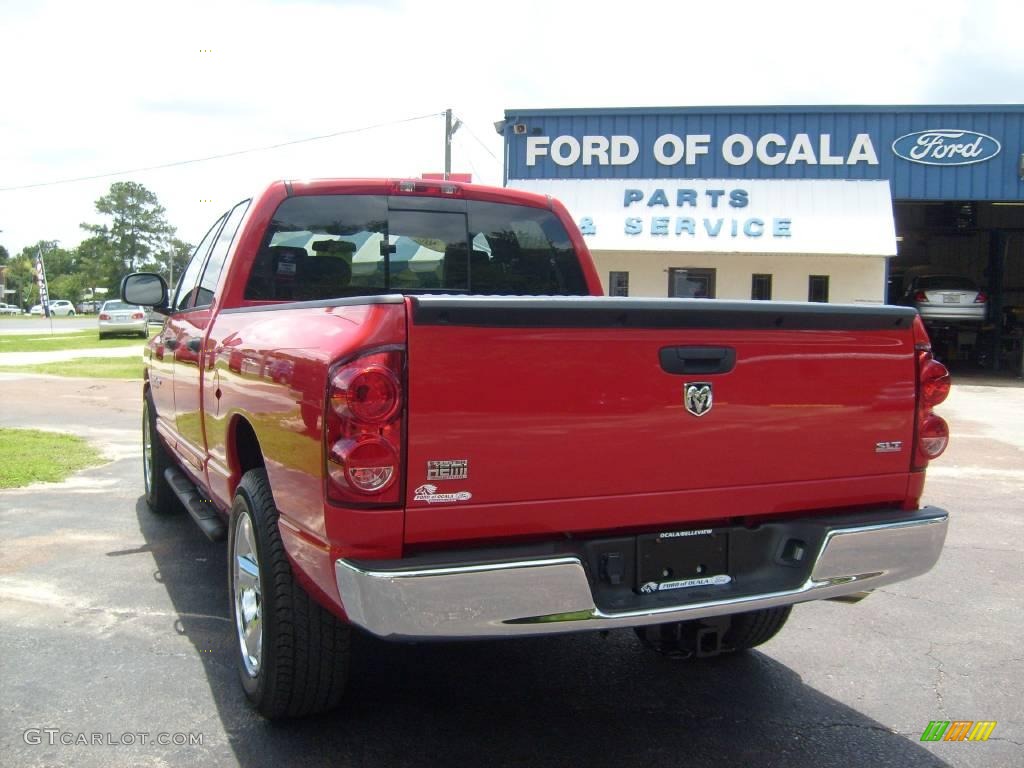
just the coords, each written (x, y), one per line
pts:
(568, 414)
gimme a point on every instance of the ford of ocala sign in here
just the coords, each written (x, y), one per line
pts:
(945, 146)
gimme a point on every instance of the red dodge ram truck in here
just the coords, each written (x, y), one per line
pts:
(409, 409)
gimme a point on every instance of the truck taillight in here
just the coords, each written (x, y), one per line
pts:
(363, 427)
(933, 384)
(370, 395)
(933, 436)
(367, 466)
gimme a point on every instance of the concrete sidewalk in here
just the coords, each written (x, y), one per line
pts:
(60, 355)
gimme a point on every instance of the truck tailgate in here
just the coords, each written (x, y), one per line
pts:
(533, 415)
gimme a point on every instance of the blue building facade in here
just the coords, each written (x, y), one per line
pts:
(927, 153)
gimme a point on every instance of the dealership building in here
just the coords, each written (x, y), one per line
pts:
(836, 204)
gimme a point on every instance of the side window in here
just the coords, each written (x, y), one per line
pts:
(817, 288)
(618, 283)
(215, 264)
(691, 283)
(761, 287)
(189, 281)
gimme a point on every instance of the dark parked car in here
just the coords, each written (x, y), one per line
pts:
(946, 298)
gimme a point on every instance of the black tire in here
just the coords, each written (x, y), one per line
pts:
(302, 661)
(748, 630)
(71, 313)
(736, 632)
(159, 496)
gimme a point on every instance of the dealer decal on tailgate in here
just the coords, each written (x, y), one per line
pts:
(429, 494)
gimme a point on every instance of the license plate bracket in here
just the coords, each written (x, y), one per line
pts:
(679, 559)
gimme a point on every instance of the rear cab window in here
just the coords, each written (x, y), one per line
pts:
(335, 246)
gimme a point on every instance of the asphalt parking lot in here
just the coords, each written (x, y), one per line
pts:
(114, 622)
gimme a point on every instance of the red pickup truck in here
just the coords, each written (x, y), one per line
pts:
(410, 410)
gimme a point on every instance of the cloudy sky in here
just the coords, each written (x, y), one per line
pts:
(97, 87)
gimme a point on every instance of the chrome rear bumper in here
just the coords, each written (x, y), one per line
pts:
(552, 595)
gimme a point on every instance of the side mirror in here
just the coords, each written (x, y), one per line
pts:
(147, 289)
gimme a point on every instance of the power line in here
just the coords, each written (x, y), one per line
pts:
(222, 156)
(486, 148)
(472, 166)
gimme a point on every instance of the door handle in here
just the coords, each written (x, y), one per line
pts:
(697, 360)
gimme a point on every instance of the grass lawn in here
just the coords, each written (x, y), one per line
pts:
(23, 318)
(30, 456)
(86, 368)
(65, 339)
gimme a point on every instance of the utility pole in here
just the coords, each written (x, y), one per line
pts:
(447, 143)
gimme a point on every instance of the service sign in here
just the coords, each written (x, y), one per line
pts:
(728, 215)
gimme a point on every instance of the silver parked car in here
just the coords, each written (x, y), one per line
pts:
(118, 317)
(9, 309)
(946, 298)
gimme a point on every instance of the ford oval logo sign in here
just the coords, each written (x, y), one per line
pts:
(946, 146)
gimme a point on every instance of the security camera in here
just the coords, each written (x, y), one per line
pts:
(499, 127)
(519, 128)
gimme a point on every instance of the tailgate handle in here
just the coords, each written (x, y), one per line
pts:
(703, 360)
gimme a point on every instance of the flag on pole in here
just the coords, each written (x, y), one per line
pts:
(44, 294)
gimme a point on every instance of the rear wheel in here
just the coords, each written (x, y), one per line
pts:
(293, 654)
(706, 638)
(752, 629)
(155, 461)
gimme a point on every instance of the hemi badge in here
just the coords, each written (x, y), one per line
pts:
(889, 446)
(448, 469)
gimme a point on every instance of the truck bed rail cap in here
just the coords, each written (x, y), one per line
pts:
(603, 312)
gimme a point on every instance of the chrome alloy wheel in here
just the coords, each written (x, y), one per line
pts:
(147, 451)
(248, 596)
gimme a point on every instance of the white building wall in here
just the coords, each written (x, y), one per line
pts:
(852, 279)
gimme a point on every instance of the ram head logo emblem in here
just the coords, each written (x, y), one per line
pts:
(697, 397)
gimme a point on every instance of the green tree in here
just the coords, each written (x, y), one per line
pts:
(21, 277)
(4, 279)
(137, 231)
(100, 268)
(57, 261)
(172, 262)
(70, 286)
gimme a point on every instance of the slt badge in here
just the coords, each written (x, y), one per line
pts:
(697, 397)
